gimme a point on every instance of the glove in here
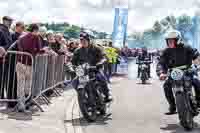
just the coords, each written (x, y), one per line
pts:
(163, 76)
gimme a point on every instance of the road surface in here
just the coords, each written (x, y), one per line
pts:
(136, 108)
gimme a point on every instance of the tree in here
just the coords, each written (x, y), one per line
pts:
(72, 32)
(184, 23)
(173, 21)
(157, 27)
(102, 35)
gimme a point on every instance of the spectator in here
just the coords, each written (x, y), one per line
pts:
(72, 47)
(5, 35)
(42, 32)
(19, 29)
(52, 42)
(8, 71)
(77, 45)
(60, 40)
(111, 54)
(56, 43)
(50, 36)
(31, 42)
(58, 37)
(63, 48)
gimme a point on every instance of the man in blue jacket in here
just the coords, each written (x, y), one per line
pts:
(8, 76)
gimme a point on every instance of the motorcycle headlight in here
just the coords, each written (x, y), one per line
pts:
(177, 74)
(143, 66)
(79, 72)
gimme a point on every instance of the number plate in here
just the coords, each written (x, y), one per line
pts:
(178, 89)
(83, 79)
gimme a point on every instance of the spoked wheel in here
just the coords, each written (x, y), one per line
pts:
(100, 97)
(184, 112)
(89, 112)
(143, 81)
(144, 77)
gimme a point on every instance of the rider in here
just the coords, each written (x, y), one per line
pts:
(176, 54)
(93, 55)
(144, 56)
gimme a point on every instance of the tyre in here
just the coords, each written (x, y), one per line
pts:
(144, 77)
(100, 98)
(143, 81)
(103, 110)
(158, 68)
(89, 113)
(184, 111)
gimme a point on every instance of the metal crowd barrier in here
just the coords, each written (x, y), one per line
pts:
(15, 80)
(25, 78)
(48, 74)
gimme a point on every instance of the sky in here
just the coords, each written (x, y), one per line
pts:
(96, 14)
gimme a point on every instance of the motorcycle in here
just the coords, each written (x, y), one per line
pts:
(181, 78)
(143, 66)
(90, 92)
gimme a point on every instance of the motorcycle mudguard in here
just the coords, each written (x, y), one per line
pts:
(143, 74)
(100, 76)
(75, 83)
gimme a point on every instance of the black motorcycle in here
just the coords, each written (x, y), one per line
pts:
(158, 66)
(143, 69)
(90, 92)
(181, 78)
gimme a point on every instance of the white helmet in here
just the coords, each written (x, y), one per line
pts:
(43, 29)
(174, 34)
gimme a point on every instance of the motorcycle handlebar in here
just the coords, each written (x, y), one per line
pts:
(144, 62)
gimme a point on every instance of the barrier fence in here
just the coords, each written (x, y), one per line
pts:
(25, 78)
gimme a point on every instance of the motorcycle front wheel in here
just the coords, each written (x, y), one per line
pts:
(144, 77)
(184, 111)
(88, 112)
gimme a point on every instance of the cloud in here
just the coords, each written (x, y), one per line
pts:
(97, 14)
(142, 14)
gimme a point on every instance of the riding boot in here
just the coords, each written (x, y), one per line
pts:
(170, 97)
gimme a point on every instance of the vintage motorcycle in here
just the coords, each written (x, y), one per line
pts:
(143, 66)
(181, 78)
(90, 92)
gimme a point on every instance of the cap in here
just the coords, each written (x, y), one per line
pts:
(7, 18)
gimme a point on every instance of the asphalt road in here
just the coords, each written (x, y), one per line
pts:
(136, 108)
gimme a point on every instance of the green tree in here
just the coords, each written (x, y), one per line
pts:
(72, 32)
(157, 27)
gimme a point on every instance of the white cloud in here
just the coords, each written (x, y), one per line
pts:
(97, 14)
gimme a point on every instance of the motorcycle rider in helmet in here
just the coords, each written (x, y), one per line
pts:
(177, 54)
(93, 55)
(144, 56)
